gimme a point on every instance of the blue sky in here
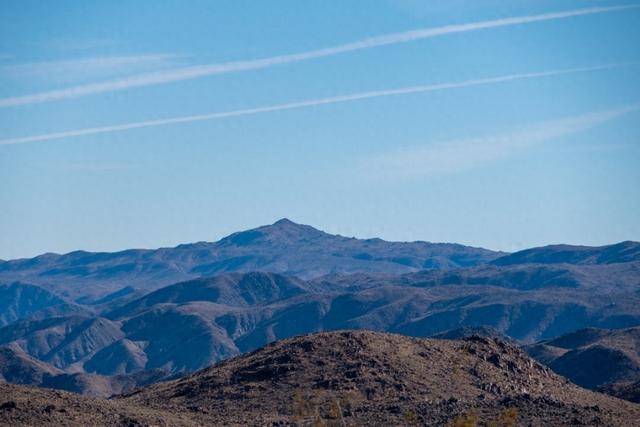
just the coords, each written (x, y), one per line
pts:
(517, 123)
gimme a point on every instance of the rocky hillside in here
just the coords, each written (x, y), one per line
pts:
(29, 406)
(342, 378)
(345, 378)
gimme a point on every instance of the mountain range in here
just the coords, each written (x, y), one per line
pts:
(283, 247)
(106, 323)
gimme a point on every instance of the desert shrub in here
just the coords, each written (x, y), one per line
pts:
(465, 420)
(509, 417)
(411, 418)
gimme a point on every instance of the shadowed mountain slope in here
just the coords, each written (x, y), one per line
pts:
(468, 332)
(236, 290)
(19, 368)
(593, 358)
(555, 254)
(624, 390)
(21, 301)
(61, 341)
(121, 357)
(345, 378)
(611, 278)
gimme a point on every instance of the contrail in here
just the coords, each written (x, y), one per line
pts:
(302, 104)
(193, 72)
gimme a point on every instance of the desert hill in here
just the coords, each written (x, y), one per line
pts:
(356, 377)
(30, 406)
(342, 378)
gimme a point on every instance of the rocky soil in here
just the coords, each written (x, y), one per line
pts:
(368, 378)
(343, 378)
(31, 406)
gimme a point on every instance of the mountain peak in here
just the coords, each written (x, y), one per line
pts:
(282, 231)
(285, 229)
(284, 222)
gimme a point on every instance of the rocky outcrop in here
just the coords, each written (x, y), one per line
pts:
(374, 378)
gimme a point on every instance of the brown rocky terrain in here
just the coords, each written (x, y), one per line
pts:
(358, 378)
(30, 406)
(342, 378)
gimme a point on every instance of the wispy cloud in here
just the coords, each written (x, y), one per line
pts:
(98, 66)
(193, 72)
(456, 156)
(300, 104)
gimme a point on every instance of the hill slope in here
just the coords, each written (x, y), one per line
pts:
(28, 406)
(593, 358)
(19, 368)
(555, 254)
(342, 378)
(21, 301)
(376, 378)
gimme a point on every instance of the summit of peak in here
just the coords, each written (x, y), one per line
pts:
(285, 222)
(285, 226)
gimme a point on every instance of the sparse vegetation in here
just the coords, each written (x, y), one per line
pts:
(466, 420)
(410, 417)
(342, 379)
(364, 378)
(509, 417)
(318, 407)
